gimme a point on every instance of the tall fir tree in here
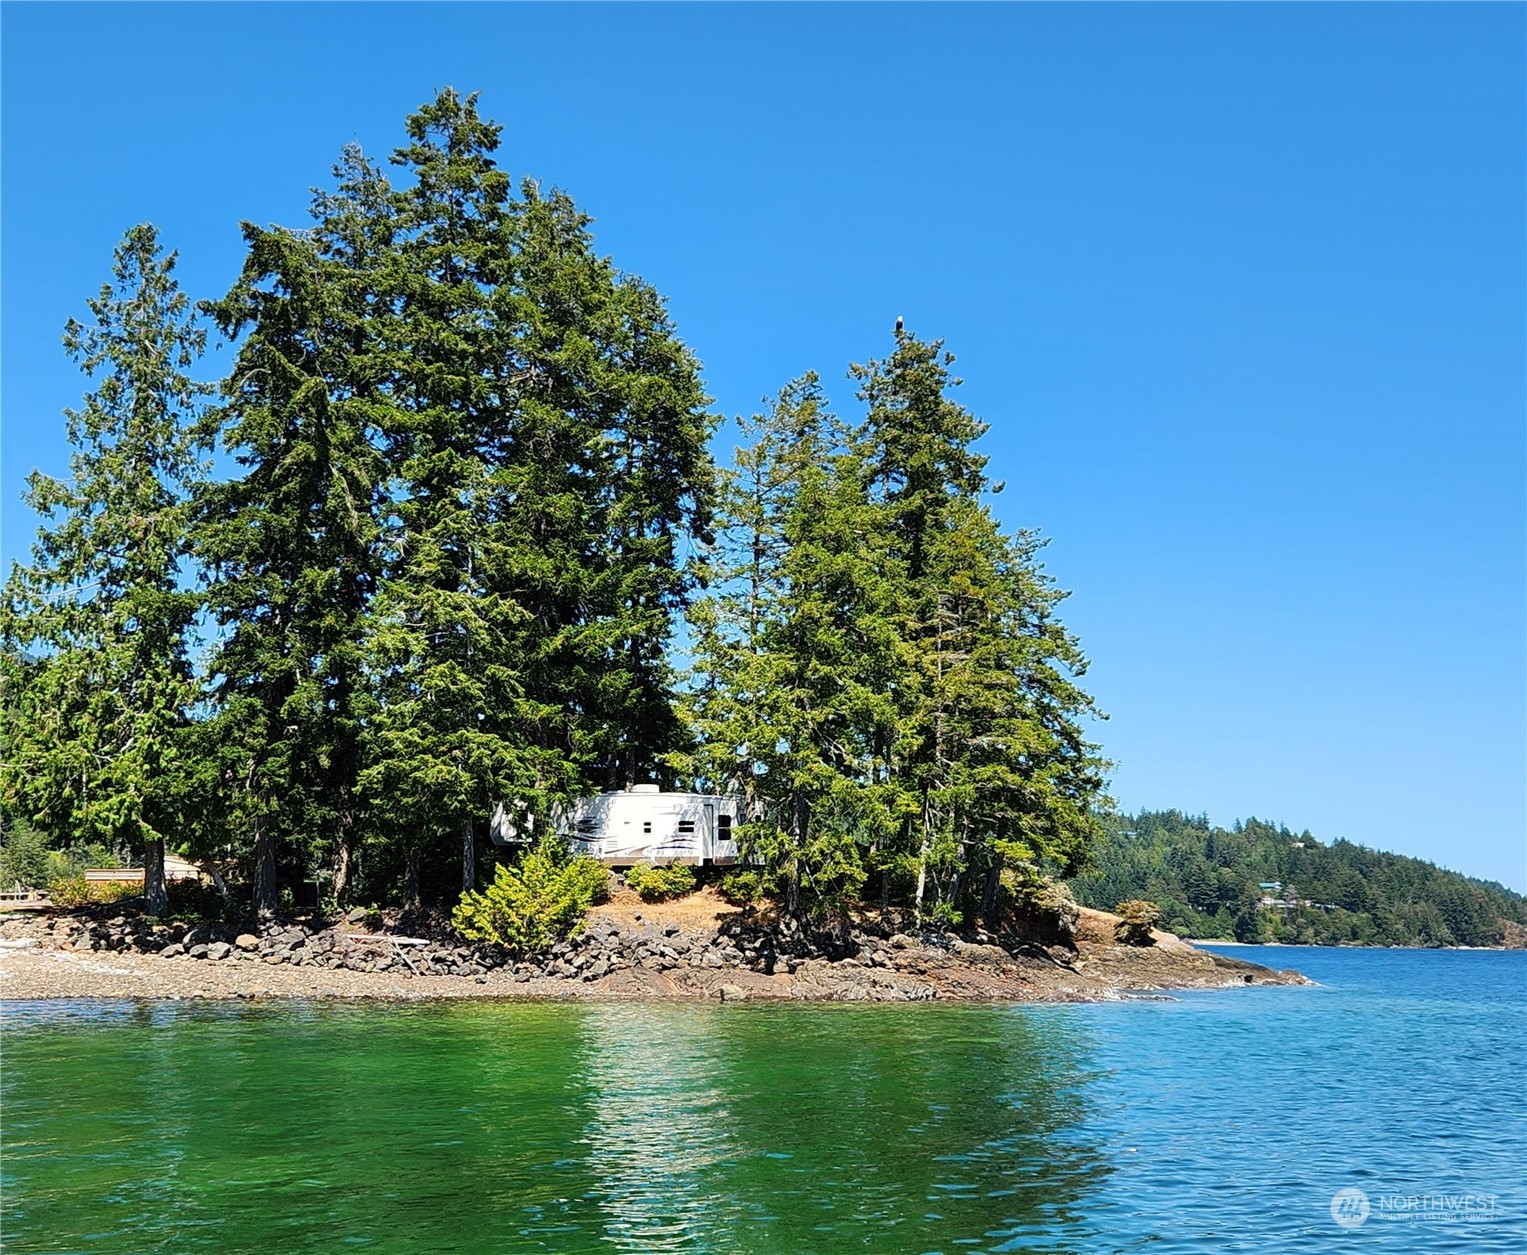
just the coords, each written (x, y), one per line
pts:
(798, 653)
(96, 628)
(450, 732)
(291, 542)
(549, 458)
(995, 759)
(608, 472)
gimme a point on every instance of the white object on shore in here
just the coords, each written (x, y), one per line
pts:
(645, 825)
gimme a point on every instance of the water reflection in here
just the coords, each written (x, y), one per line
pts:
(660, 1125)
(498, 1128)
(783, 1129)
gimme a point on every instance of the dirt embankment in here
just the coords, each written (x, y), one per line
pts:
(695, 948)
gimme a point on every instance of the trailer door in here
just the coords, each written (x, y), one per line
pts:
(708, 849)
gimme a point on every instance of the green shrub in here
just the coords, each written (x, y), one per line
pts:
(69, 892)
(535, 903)
(1036, 906)
(742, 888)
(945, 915)
(658, 884)
(1136, 919)
(193, 901)
(23, 856)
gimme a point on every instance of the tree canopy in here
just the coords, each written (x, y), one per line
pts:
(467, 525)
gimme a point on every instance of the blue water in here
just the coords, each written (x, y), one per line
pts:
(1403, 1073)
(1219, 1121)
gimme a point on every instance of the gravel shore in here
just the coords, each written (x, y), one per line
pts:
(680, 952)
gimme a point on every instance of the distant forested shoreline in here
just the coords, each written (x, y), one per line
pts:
(1261, 882)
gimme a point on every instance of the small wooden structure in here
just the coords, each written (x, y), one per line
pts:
(24, 900)
(175, 868)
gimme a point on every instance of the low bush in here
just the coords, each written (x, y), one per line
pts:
(744, 888)
(945, 914)
(659, 884)
(1035, 906)
(69, 892)
(193, 901)
(1136, 919)
(535, 903)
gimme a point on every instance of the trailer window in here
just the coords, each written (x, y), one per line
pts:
(723, 827)
(686, 825)
(647, 826)
(587, 825)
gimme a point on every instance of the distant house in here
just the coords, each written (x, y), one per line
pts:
(1271, 886)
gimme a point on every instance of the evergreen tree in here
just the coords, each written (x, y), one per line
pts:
(96, 720)
(291, 543)
(994, 761)
(798, 651)
(548, 454)
(453, 730)
(607, 471)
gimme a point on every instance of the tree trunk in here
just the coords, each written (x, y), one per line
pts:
(800, 819)
(341, 869)
(155, 900)
(344, 836)
(989, 894)
(411, 878)
(922, 867)
(468, 857)
(885, 882)
(922, 878)
(217, 879)
(265, 895)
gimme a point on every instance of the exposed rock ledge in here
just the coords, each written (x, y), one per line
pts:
(693, 949)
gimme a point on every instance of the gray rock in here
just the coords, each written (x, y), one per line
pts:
(198, 952)
(171, 950)
(355, 915)
(732, 993)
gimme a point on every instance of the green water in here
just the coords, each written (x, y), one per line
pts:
(498, 1127)
(1221, 1123)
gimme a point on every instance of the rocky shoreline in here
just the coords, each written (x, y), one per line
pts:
(687, 950)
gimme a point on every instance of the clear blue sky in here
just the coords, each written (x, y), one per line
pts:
(1239, 288)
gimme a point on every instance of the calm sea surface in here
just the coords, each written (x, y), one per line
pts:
(1223, 1121)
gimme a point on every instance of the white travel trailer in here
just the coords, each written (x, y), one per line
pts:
(646, 825)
